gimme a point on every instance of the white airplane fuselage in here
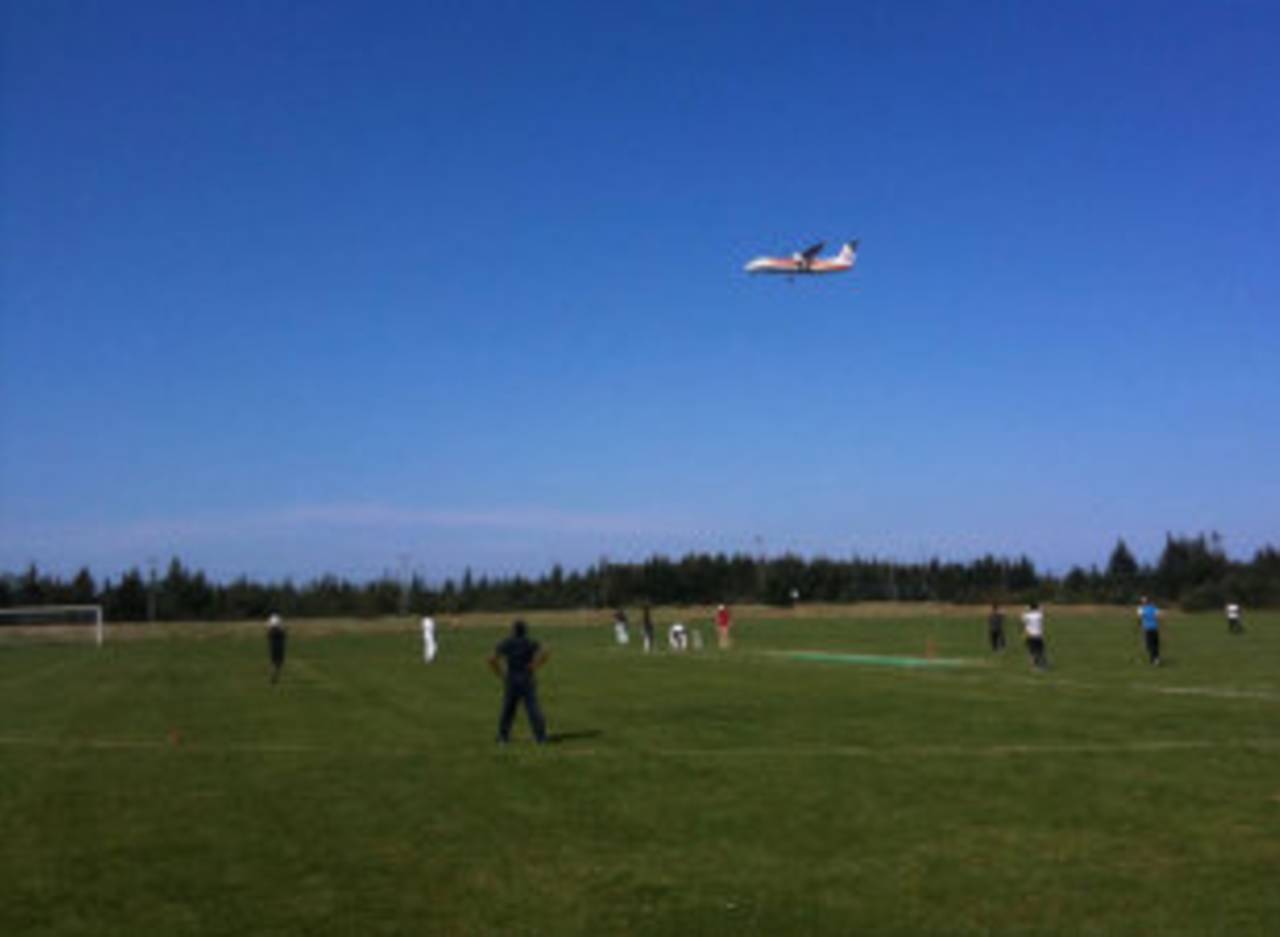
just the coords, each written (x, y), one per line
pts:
(799, 265)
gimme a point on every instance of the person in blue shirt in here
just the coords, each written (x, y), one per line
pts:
(523, 656)
(1149, 621)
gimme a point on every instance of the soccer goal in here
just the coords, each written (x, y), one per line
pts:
(55, 622)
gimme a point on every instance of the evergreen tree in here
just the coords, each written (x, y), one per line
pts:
(128, 600)
(83, 590)
(1122, 574)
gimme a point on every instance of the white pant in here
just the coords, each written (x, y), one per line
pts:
(621, 633)
(428, 648)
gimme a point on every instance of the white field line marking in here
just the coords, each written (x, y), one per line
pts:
(263, 748)
(1220, 692)
(847, 751)
(983, 751)
(19, 741)
(1224, 692)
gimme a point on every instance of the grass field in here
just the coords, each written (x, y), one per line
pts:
(161, 786)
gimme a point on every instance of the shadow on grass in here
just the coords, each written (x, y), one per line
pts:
(560, 738)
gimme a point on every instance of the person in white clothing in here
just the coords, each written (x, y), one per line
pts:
(1033, 628)
(678, 637)
(428, 639)
(1234, 624)
(621, 630)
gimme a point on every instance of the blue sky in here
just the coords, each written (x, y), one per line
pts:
(290, 289)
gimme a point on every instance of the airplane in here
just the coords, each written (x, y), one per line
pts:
(807, 261)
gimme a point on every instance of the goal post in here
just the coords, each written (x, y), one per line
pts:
(30, 619)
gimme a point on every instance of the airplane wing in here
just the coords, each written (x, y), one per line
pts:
(812, 252)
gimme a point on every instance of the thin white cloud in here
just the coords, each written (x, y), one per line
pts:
(369, 517)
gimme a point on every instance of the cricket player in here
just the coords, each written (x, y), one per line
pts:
(677, 637)
(621, 631)
(995, 627)
(275, 646)
(724, 621)
(1033, 628)
(1234, 625)
(1149, 622)
(523, 657)
(647, 623)
(428, 639)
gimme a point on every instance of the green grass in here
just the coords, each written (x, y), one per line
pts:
(161, 786)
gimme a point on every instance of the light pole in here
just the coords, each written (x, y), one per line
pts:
(151, 589)
(405, 559)
(760, 568)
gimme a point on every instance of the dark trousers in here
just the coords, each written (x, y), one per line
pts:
(1152, 638)
(997, 639)
(275, 644)
(517, 691)
(1234, 626)
(1035, 647)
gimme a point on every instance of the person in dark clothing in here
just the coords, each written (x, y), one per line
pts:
(275, 646)
(647, 622)
(995, 627)
(523, 657)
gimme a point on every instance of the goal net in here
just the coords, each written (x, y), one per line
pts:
(52, 622)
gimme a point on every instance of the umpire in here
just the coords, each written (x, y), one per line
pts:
(523, 657)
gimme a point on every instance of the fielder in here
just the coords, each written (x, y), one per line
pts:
(275, 646)
(428, 639)
(995, 628)
(523, 657)
(724, 622)
(1033, 628)
(678, 637)
(1149, 620)
(621, 632)
(1234, 625)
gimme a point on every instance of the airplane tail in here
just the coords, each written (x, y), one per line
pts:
(849, 253)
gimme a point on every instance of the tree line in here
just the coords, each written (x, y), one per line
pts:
(1193, 572)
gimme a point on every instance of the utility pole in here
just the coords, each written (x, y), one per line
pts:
(603, 582)
(151, 589)
(761, 562)
(405, 559)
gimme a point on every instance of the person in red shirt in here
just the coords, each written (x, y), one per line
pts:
(724, 621)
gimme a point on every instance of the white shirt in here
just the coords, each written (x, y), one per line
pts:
(1033, 623)
(1233, 610)
(428, 627)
